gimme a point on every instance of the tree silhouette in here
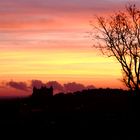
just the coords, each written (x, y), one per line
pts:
(119, 37)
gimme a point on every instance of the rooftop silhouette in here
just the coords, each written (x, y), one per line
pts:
(42, 92)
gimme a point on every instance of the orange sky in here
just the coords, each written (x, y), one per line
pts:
(48, 40)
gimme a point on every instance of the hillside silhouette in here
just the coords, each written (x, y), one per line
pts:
(79, 109)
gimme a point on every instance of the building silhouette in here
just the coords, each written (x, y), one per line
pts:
(42, 92)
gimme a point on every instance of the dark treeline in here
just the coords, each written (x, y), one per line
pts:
(77, 110)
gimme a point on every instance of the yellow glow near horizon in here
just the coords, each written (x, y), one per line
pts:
(49, 40)
(56, 63)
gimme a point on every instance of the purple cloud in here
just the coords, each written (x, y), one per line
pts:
(56, 86)
(90, 87)
(73, 87)
(37, 83)
(68, 87)
(18, 85)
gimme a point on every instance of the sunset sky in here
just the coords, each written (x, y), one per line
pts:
(48, 40)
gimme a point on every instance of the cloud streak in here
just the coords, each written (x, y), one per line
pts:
(37, 83)
(36, 36)
(21, 14)
(18, 85)
(67, 87)
(58, 87)
(50, 15)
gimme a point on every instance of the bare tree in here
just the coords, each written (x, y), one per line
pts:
(119, 37)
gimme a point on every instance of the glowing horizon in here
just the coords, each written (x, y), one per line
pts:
(48, 40)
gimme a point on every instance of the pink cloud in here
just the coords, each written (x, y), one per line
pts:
(37, 83)
(18, 85)
(90, 87)
(57, 86)
(73, 87)
(13, 88)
